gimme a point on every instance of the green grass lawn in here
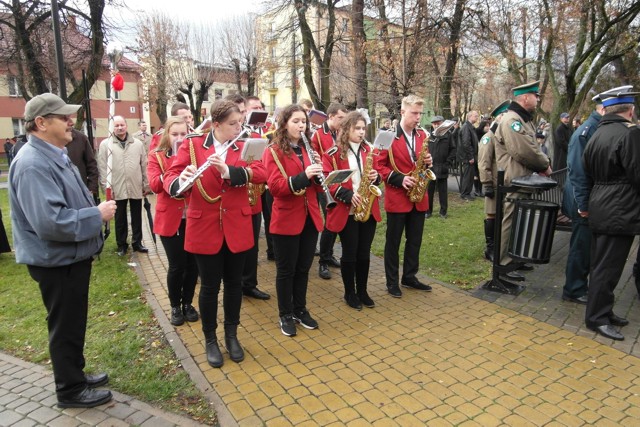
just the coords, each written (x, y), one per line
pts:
(123, 337)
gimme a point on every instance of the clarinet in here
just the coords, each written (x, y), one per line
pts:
(331, 203)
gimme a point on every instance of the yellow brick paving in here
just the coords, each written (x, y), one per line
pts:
(442, 358)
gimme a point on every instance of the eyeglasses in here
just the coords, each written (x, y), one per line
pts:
(65, 119)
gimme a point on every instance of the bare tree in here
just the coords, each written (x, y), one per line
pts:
(238, 39)
(360, 53)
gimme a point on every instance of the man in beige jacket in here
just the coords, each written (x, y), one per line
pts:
(129, 182)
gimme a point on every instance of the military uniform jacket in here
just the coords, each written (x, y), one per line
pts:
(612, 162)
(517, 151)
(396, 163)
(487, 165)
(219, 208)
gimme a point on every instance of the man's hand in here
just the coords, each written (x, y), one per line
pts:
(408, 182)
(488, 191)
(107, 210)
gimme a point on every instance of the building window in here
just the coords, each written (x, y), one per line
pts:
(18, 127)
(273, 54)
(205, 96)
(273, 81)
(14, 88)
(108, 87)
(272, 100)
(218, 94)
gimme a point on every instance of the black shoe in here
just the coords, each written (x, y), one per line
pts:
(288, 326)
(394, 291)
(87, 398)
(444, 215)
(608, 331)
(512, 275)
(417, 285)
(214, 355)
(96, 380)
(177, 317)
(366, 300)
(122, 250)
(353, 301)
(333, 262)
(427, 215)
(323, 272)
(304, 318)
(190, 313)
(580, 300)
(617, 320)
(525, 267)
(488, 254)
(236, 353)
(468, 198)
(256, 293)
(139, 247)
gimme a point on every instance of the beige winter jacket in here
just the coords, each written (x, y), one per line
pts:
(129, 167)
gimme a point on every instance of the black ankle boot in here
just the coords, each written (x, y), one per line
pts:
(214, 356)
(236, 353)
(489, 228)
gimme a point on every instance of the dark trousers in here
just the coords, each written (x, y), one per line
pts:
(122, 228)
(356, 238)
(294, 256)
(466, 180)
(327, 238)
(412, 223)
(441, 185)
(250, 271)
(225, 266)
(267, 203)
(182, 273)
(578, 259)
(608, 256)
(65, 293)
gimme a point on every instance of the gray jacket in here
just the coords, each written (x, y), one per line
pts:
(55, 221)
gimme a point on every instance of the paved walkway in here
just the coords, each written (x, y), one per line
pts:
(439, 358)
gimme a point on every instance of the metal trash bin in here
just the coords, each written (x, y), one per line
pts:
(532, 230)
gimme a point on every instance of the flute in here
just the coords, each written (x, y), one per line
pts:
(331, 203)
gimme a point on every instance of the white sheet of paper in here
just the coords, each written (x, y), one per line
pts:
(384, 139)
(253, 149)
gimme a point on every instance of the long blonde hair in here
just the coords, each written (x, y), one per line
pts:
(165, 142)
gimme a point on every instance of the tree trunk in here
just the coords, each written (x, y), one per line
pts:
(359, 50)
(452, 59)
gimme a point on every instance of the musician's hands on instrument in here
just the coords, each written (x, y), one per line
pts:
(313, 170)
(356, 200)
(187, 173)
(408, 182)
(219, 164)
(373, 175)
(107, 210)
(316, 157)
(429, 160)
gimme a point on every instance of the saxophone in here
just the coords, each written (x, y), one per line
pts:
(368, 193)
(255, 191)
(421, 174)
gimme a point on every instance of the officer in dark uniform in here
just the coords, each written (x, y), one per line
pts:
(612, 163)
(443, 151)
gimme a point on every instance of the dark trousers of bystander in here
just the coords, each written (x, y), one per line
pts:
(65, 293)
(578, 260)
(122, 228)
(441, 185)
(466, 180)
(412, 224)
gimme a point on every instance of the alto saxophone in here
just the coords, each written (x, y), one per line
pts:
(255, 191)
(421, 174)
(368, 193)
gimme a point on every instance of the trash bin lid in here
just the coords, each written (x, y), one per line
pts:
(534, 181)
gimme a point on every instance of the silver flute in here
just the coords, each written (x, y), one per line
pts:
(206, 165)
(331, 203)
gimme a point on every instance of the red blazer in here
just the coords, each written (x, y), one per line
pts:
(289, 211)
(220, 211)
(322, 140)
(155, 140)
(169, 211)
(337, 217)
(392, 172)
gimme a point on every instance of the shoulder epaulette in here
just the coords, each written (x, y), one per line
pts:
(194, 135)
(160, 132)
(585, 130)
(631, 125)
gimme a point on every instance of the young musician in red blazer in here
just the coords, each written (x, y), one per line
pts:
(170, 222)
(296, 218)
(352, 152)
(323, 140)
(395, 166)
(219, 228)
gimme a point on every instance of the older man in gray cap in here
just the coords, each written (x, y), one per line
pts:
(56, 232)
(443, 152)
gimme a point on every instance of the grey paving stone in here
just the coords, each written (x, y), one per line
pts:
(4, 400)
(32, 391)
(137, 418)
(20, 389)
(16, 402)
(113, 422)
(8, 417)
(49, 401)
(157, 422)
(45, 382)
(92, 416)
(13, 383)
(26, 422)
(43, 414)
(42, 394)
(64, 421)
(119, 410)
(28, 407)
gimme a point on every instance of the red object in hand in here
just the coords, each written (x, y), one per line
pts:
(117, 82)
(109, 194)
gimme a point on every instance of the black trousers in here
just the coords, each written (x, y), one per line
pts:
(182, 274)
(250, 272)
(122, 228)
(327, 238)
(267, 203)
(65, 293)
(466, 180)
(356, 238)
(412, 223)
(225, 266)
(441, 185)
(294, 256)
(608, 256)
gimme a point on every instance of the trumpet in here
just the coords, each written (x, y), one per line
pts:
(206, 165)
(331, 203)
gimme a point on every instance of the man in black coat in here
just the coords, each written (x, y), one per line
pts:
(561, 139)
(612, 164)
(443, 153)
(468, 154)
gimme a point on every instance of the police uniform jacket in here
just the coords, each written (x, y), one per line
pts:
(443, 154)
(294, 195)
(487, 166)
(219, 208)
(517, 151)
(169, 210)
(577, 185)
(612, 162)
(323, 139)
(343, 193)
(396, 163)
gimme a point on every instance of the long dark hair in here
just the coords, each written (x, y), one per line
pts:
(281, 135)
(348, 123)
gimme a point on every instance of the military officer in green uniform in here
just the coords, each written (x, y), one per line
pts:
(518, 153)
